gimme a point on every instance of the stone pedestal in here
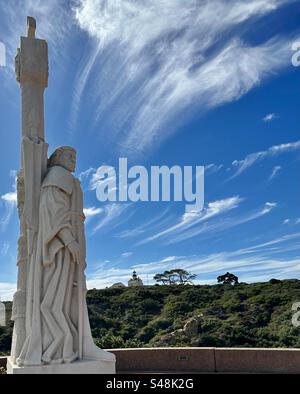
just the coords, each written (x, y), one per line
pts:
(84, 367)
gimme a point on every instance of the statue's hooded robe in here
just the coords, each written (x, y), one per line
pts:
(55, 327)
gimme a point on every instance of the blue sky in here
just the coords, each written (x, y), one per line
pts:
(169, 82)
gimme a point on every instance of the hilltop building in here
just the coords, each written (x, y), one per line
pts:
(135, 281)
(118, 285)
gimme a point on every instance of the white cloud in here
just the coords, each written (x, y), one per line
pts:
(250, 264)
(112, 216)
(191, 219)
(91, 212)
(112, 213)
(269, 206)
(53, 24)
(213, 168)
(270, 117)
(126, 254)
(253, 158)
(4, 249)
(96, 177)
(274, 173)
(210, 229)
(169, 259)
(10, 202)
(190, 227)
(10, 197)
(286, 221)
(213, 209)
(156, 222)
(86, 174)
(7, 291)
(276, 241)
(158, 59)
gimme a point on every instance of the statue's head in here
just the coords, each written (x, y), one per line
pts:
(64, 156)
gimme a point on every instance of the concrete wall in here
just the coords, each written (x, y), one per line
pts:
(165, 359)
(184, 360)
(258, 360)
(208, 360)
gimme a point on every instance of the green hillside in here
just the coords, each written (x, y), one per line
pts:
(245, 315)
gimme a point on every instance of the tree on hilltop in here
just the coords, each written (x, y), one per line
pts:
(228, 279)
(175, 277)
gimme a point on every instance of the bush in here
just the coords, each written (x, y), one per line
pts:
(274, 281)
(109, 342)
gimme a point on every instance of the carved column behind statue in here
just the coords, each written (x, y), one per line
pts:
(32, 74)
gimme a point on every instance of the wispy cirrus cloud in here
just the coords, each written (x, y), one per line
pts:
(86, 174)
(156, 59)
(189, 220)
(253, 158)
(113, 216)
(275, 172)
(254, 263)
(213, 168)
(91, 212)
(9, 201)
(210, 229)
(53, 24)
(279, 240)
(111, 213)
(4, 249)
(270, 117)
(207, 223)
(7, 291)
(158, 221)
(125, 255)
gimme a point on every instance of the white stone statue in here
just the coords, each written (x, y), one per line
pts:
(51, 332)
(59, 325)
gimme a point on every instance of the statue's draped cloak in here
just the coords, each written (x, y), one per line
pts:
(52, 292)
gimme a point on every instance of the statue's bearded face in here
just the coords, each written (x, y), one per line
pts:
(67, 159)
